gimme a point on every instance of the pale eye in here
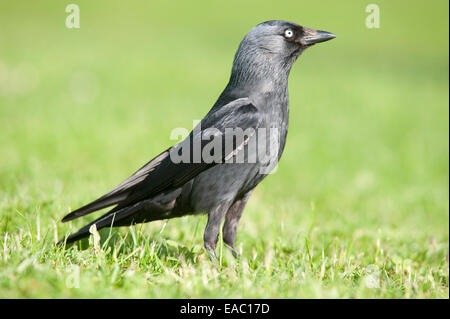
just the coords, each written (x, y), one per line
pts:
(288, 33)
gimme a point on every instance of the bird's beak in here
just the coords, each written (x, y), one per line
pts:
(311, 36)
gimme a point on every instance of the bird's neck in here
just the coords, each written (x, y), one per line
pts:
(260, 75)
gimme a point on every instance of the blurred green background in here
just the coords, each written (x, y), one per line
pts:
(363, 180)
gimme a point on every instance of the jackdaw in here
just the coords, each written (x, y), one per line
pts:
(256, 103)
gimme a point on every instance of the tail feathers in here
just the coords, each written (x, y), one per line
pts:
(107, 220)
(144, 211)
(73, 237)
(91, 207)
(122, 191)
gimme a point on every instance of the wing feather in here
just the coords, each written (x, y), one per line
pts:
(162, 173)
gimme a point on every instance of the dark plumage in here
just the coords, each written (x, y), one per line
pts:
(256, 98)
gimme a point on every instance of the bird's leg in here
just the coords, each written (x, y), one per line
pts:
(232, 217)
(211, 235)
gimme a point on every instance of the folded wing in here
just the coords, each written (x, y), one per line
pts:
(162, 174)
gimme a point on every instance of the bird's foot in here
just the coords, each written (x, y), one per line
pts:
(234, 252)
(211, 251)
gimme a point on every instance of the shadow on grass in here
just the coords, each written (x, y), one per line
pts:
(113, 241)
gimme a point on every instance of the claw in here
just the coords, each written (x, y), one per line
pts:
(213, 256)
(234, 251)
(212, 252)
(235, 254)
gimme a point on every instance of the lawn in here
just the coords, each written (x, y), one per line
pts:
(359, 205)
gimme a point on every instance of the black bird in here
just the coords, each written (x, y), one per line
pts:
(256, 101)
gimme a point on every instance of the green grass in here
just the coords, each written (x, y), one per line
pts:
(360, 194)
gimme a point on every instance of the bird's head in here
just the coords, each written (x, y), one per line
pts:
(284, 38)
(272, 47)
